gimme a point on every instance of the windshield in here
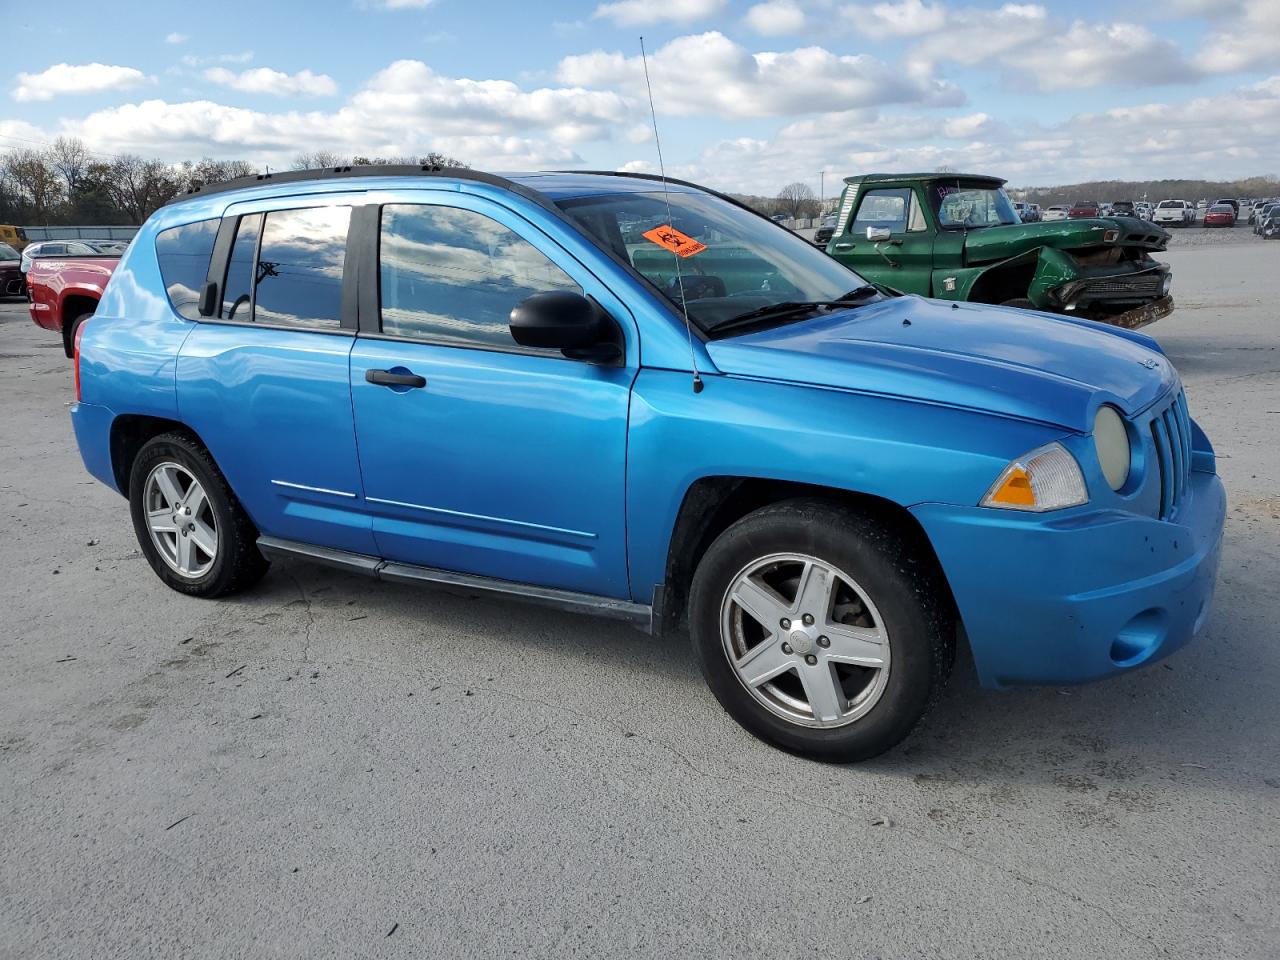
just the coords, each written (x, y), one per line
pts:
(739, 264)
(1170, 204)
(966, 207)
(8, 253)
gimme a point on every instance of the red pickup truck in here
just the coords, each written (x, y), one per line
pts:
(64, 291)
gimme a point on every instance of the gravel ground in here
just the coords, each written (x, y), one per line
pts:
(333, 767)
(1201, 236)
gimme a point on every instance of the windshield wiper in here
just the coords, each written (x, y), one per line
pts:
(787, 308)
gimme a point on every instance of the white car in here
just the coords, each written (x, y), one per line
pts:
(1056, 212)
(1175, 213)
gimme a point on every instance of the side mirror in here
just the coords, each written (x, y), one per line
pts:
(878, 234)
(562, 319)
(208, 305)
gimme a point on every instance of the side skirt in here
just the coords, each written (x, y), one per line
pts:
(637, 614)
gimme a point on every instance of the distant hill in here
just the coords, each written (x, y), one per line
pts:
(1154, 190)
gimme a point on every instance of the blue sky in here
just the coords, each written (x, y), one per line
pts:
(751, 95)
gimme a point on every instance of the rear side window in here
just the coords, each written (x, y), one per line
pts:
(298, 280)
(452, 276)
(183, 253)
(237, 292)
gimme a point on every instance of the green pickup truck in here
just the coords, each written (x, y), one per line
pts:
(958, 237)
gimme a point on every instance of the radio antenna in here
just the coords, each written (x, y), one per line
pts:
(666, 199)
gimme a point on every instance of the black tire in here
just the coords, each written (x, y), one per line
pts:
(896, 572)
(69, 338)
(1022, 303)
(238, 563)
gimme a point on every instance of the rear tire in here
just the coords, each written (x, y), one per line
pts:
(69, 336)
(193, 531)
(822, 686)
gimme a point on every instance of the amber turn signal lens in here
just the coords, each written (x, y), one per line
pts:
(1015, 490)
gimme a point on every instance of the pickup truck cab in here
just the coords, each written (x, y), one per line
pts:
(63, 291)
(644, 401)
(958, 237)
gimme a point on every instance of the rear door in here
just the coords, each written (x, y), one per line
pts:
(265, 382)
(488, 458)
(905, 260)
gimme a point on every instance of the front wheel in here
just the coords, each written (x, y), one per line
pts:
(820, 630)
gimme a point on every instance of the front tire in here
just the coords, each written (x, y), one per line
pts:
(190, 526)
(824, 631)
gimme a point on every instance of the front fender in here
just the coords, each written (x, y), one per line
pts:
(1031, 274)
(899, 450)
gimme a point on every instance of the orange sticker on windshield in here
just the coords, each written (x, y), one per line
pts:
(675, 241)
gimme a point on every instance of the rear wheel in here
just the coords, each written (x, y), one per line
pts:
(189, 524)
(69, 333)
(820, 630)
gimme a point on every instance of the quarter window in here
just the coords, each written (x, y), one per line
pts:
(452, 276)
(183, 253)
(237, 292)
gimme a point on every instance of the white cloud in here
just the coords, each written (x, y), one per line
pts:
(966, 128)
(266, 80)
(776, 17)
(65, 78)
(176, 38)
(244, 56)
(733, 82)
(1246, 37)
(404, 4)
(1025, 40)
(638, 12)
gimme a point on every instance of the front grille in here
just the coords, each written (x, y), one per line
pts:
(1171, 433)
(1136, 285)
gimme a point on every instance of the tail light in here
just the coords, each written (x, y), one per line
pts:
(79, 335)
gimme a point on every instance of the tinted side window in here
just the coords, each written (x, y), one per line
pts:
(183, 253)
(237, 292)
(298, 280)
(452, 276)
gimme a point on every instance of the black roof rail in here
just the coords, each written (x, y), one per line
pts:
(370, 170)
(658, 178)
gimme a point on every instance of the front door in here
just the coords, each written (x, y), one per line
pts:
(479, 455)
(905, 260)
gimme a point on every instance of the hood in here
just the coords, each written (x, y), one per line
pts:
(1000, 243)
(1017, 363)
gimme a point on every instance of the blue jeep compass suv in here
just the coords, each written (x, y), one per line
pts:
(649, 403)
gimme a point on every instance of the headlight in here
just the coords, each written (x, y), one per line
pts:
(1111, 439)
(1166, 284)
(1047, 478)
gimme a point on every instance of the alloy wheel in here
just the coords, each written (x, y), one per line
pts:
(180, 520)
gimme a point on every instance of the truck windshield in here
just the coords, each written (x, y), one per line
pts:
(966, 207)
(732, 262)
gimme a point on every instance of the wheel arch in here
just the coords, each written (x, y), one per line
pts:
(73, 305)
(712, 504)
(130, 432)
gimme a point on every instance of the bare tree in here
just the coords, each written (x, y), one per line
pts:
(140, 187)
(192, 176)
(70, 157)
(797, 200)
(36, 183)
(319, 159)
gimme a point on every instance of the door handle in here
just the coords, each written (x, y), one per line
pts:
(844, 246)
(387, 378)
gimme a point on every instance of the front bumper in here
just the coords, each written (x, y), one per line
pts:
(1079, 597)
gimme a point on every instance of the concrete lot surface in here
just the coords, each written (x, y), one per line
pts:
(332, 767)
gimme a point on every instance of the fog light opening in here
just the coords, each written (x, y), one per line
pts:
(1139, 638)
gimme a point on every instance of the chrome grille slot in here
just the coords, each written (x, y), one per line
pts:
(1171, 434)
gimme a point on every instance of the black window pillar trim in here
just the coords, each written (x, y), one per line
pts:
(217, 273)
(352, 268)
(362, 264)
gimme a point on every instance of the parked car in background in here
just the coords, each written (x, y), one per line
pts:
(1034, 212)
(957, 237)
(55, 248)
(926, 472)
(11, 281)
(826, 229)
(1123, 208)
(1083, 208)
(1269, 222)
(1257, 207)
(64, 291)
(1231, 202)
(1220, 215)
(15, 237)
(1056, 212)
(1174, 213)
(1268, 213)
(116, 247)
(1143, 210)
